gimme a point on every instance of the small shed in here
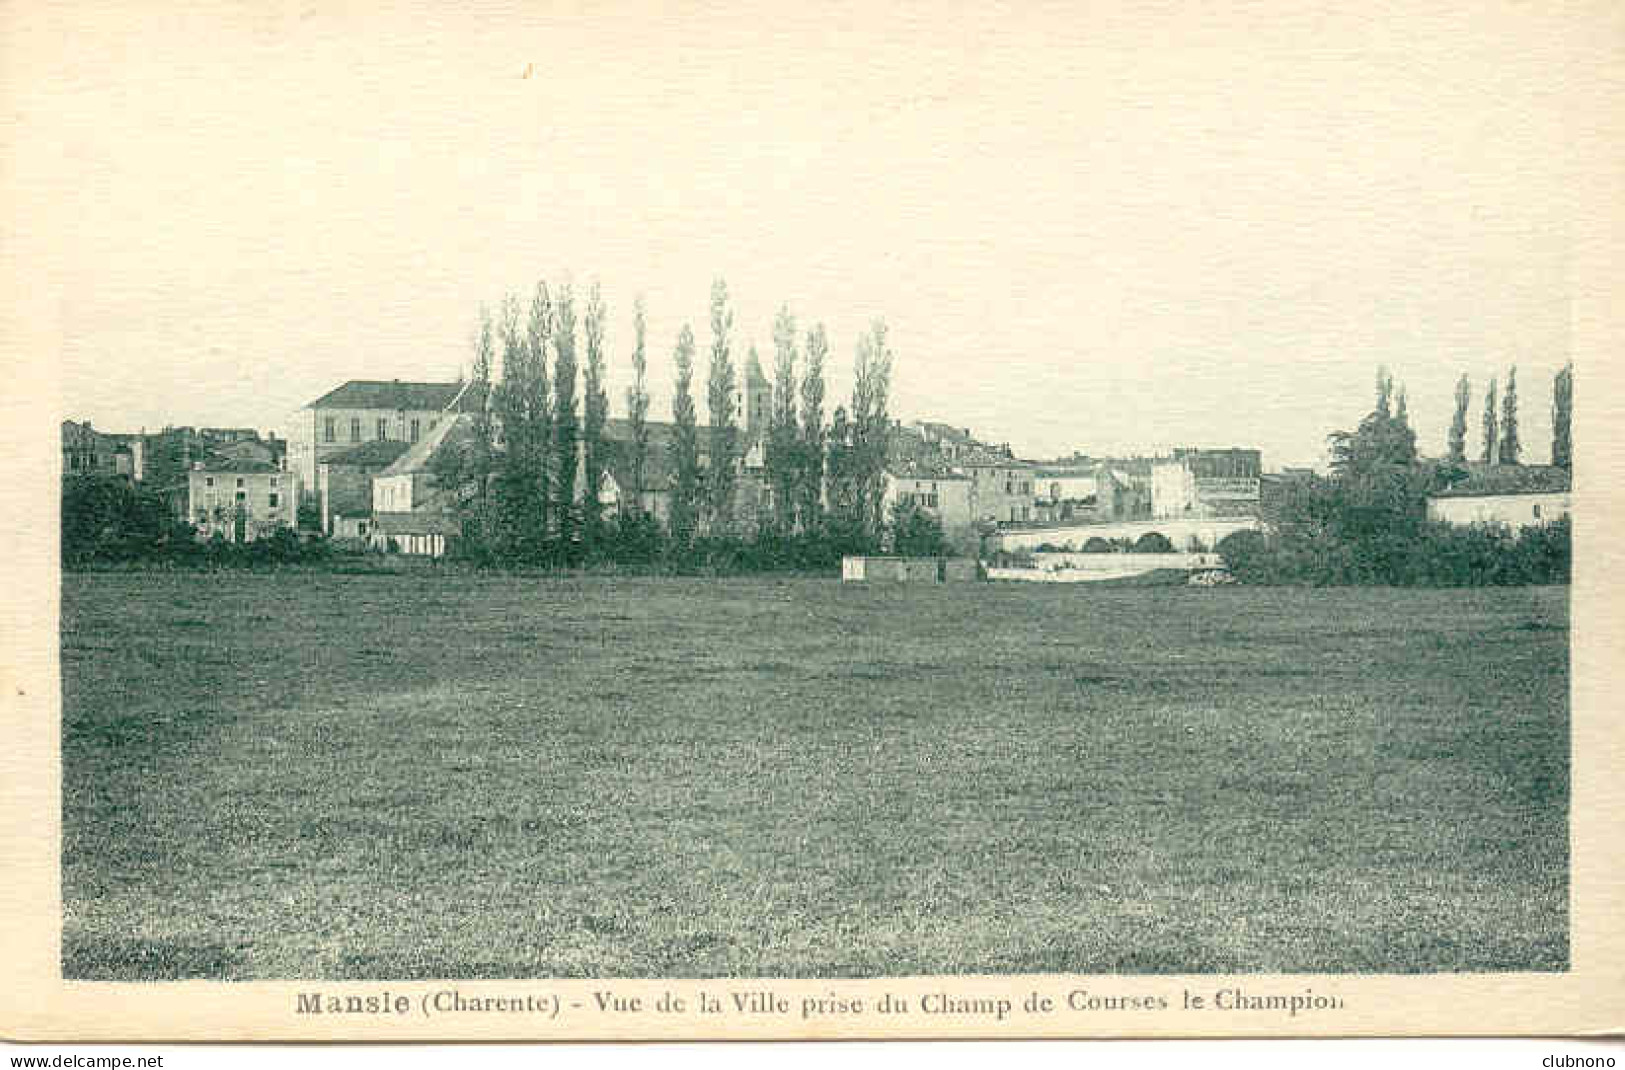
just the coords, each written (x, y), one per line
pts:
(908, 569)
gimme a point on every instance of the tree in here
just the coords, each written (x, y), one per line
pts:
(783, 452)
(566, 421)
(1489, 424)
(810, 481)
(1511, 448)
(1457, 449)
(110, 516)
(1562, 416)
(637, 411)
(466, 470)
(596, 414)
(538, 332)
(915, 532)
(871, 425)
(721, 388)
(521, 479)
(1378, 493)
(840, 466)
(685, 446)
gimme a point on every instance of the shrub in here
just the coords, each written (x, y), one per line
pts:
(1097, 545)
(1153, 542)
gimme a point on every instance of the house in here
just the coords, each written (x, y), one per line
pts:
(410, 507)
(363, 410)
(240, 500)
(1064, 494)
(1001, 490)
(344, 486)
(86, 451)
(1506, 495)
(1206, 484)
(752, 501)
(943, 494)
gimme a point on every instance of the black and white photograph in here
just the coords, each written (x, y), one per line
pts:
(584, 520)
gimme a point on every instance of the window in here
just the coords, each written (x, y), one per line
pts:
(208, 481)
(414, 430)
(239, 481)
(355, 429)
(383, 427)
(1537, 512)
(273, 481)
(271, 500)
(328, 433)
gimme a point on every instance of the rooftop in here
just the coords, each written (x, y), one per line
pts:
(393, 395)
(1485, 480)
(379, 452)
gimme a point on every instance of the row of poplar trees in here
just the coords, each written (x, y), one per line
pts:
(531, 472)
(1499, 441)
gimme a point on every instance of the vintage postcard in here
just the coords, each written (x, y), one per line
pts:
(557, 521)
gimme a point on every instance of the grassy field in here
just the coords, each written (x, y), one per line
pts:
(317, 776)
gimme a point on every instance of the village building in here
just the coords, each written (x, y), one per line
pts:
(240, 501)
(344, 486)
(1511, 496)
(87, 451)
(944, 495)
(367, 410)
(1065, 494)
(412, 511)
(1000, 491)
(1206, 484)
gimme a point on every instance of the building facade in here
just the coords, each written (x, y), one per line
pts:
(1204, 484)
(1513, 511)
(1000, 491)
(240, 502)
(943, 495)
(344, 486)
(362, 411)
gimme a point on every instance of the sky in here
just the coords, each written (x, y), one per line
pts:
(1114, 228)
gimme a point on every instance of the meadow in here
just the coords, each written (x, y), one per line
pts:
(455, 775)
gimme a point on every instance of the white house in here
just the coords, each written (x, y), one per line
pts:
(1511, 496)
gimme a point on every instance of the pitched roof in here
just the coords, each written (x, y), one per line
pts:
(1484, 480)
(417, 523)
(378, 452)
(659, 473)
(417, 456)
(393, 395)
(236, 464)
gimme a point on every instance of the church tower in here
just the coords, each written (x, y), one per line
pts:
(756, 407)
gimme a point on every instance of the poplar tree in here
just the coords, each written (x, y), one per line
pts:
(466, 469)
(538, 331)
(871, 426)
(566, 421)
(721, 392)
(1511, 448)
(810, 481)
(685, 445)
(1457, 448)
(783, 455)
(1489, 424)
(595, 415)
(1562, 417)
(637, 411)
(519, 486)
